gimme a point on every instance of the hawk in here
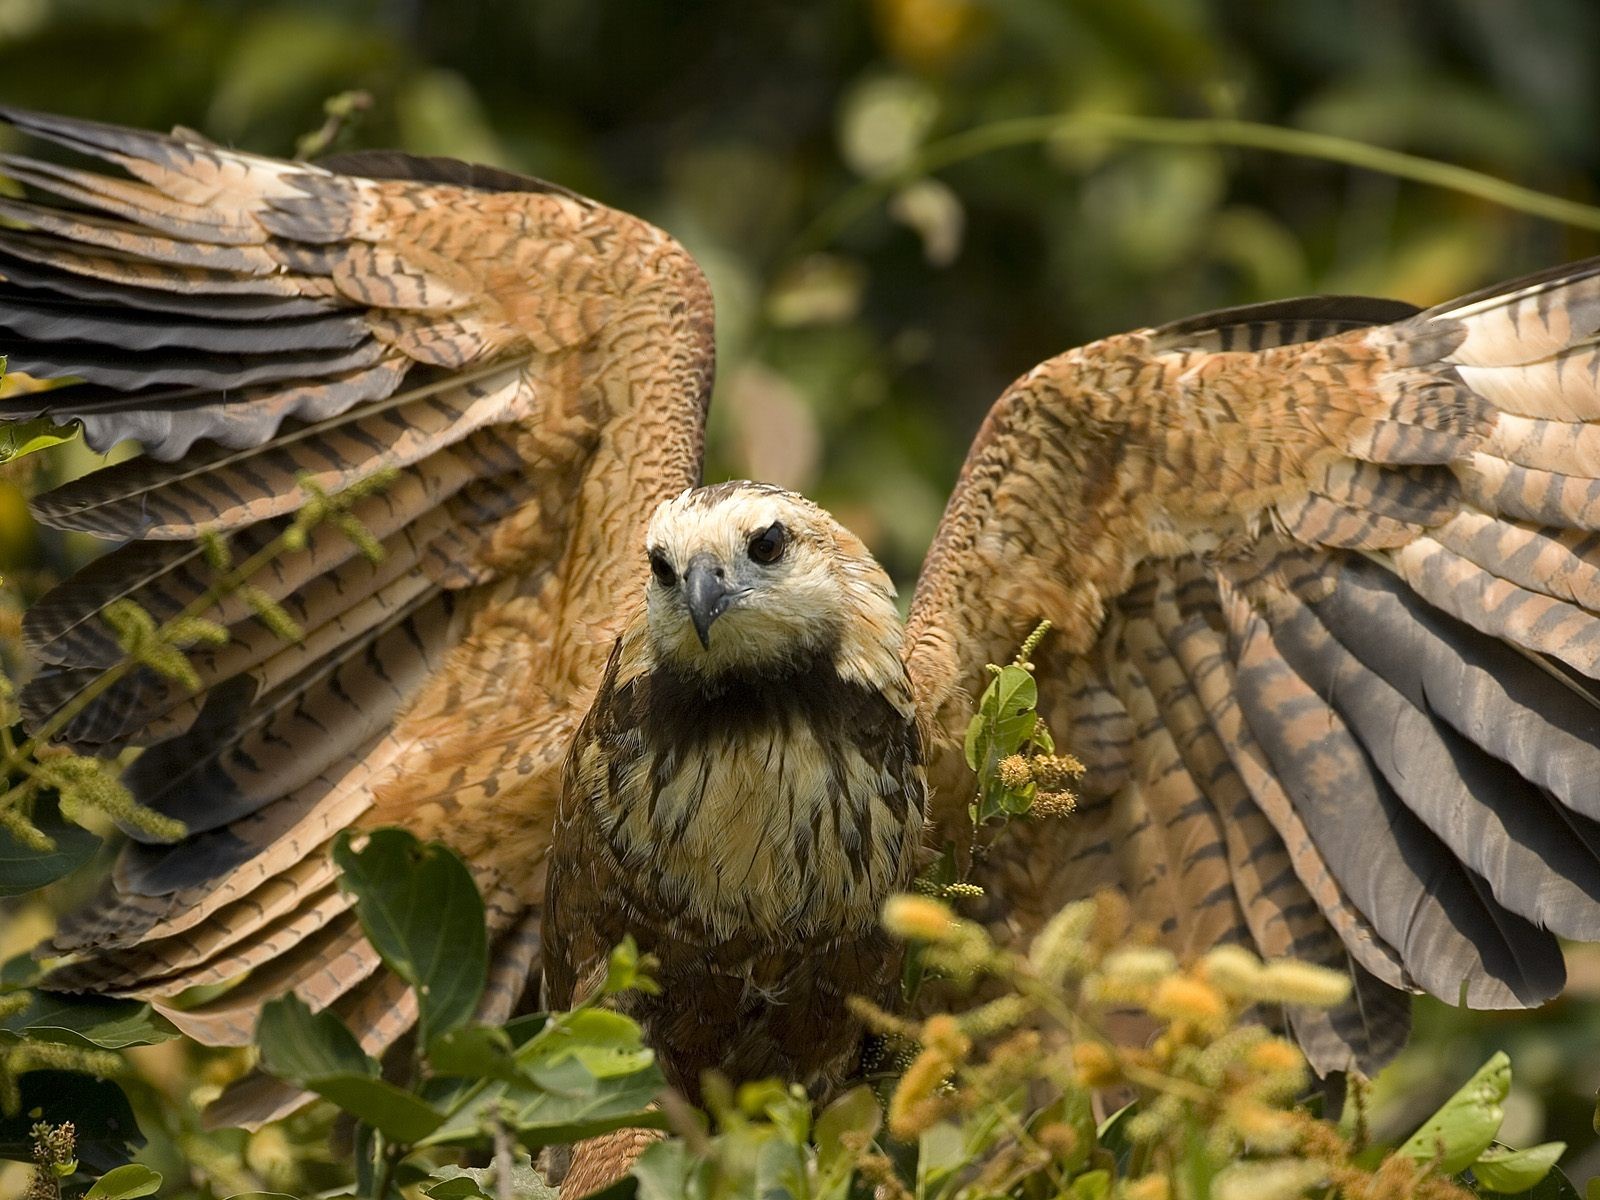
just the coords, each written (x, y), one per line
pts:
(1324, 576)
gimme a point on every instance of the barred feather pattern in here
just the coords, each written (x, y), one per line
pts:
(1323, 576)
(534, 365)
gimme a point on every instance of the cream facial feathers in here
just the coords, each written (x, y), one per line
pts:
(822, 594)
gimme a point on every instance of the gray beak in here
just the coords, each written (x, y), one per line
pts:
(707, 592)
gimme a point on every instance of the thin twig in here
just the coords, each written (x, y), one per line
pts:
(502, 1159)
(1183, 131)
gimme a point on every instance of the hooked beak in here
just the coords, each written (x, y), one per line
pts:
(708, 594)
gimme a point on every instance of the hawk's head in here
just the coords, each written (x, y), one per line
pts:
(748, 576)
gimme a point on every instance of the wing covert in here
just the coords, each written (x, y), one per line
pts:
(1323, 576)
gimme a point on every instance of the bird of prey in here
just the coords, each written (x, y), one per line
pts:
(1324, 577)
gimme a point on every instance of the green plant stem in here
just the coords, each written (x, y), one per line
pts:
(389, 1157)
(504, 1161)
(1184, 131)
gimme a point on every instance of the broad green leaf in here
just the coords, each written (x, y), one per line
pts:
(125, 1183)
(670, 1171)
(568, 1103)
(107, 1134)
(973, 741)
(23, 869)
(780, 1167)
(318, 1052)
(459, 1188)
(422, 913)
(262, 1196)
(477, 1051)
(470, 1183)
(1502, 1169)
(301, 1046)
(1463, 1128)
(88, 1021)
(1015, 692)
(607, 1043)
(392, 1111)
(29, 437)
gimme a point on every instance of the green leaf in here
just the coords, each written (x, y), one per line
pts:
(1502, 1169)
(856, 1111)
(88, 1021)
(318, 1052)
(1463, 1128)
(301, 1046)
(607, 1043)
(1113, 1134)
(19, 971)
(1015, 693)
(107, 1134)
(422, 913)
(470, 1183)
(670, 1171)
(1554, 1186)
(568, 1103)
(1006, 721)
(125, 1183)
(460, 1188)
(941, 1149)
(392, 1111)
(262, 1196)
(973, 744)
(478, 1051)
(23, 869)
(625, 970)
(522, 1030)
(29, 437)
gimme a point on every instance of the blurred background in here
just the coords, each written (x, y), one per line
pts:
(857, 361)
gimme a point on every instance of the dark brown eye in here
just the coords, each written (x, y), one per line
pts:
(767, 547)
(662, 570)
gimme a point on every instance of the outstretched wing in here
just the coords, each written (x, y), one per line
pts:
(535, 366)
(1326, 587)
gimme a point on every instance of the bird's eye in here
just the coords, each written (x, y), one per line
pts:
(662, 570)
(767, 547)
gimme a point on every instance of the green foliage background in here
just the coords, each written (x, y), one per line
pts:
(858, 369)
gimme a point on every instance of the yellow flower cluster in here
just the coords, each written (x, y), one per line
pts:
(1209, 1079)
(1050, 774)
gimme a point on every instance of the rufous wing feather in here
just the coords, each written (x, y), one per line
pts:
(1327, 633)
(535, 367)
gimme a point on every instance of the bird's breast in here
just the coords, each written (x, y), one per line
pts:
(791, 826)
